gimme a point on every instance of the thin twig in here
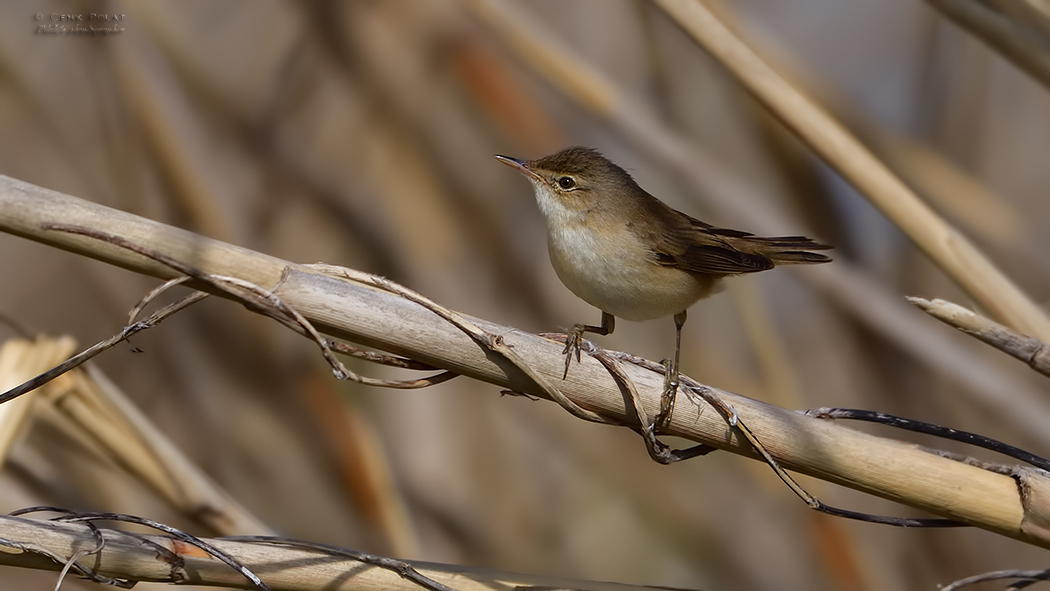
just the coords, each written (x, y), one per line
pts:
(288, 565)
(154, 294)
(658, 451)
(403, 569)
(1027, 578)
(1034, 352)
(974, 439)
(692, 388)
(487, 340)
(85, 355)
(378, 357)
(252, 296)
(334, 345)
(69, 563)
(71, 517)
(30, 548)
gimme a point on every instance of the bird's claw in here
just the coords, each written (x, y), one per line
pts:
(573, 340)
(670, 392)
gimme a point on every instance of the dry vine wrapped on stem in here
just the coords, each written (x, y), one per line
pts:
(361, 133)
(364, 314)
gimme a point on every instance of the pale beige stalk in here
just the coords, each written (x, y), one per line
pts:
(281, 568)
(734, 198)
(944, 244)
(821, 448)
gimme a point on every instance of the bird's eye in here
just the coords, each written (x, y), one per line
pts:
(567, 182)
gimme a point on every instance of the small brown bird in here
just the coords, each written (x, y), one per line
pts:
(627, 253)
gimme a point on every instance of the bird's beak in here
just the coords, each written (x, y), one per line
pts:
(521, 165)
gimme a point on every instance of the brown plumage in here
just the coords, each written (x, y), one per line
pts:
(679, 240)
(692, 245)
(627, 253)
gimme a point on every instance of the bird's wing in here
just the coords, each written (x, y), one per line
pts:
(689, 244)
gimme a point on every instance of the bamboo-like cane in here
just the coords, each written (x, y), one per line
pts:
(821, 448)
(952, 251)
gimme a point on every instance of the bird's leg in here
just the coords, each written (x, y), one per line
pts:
(573, 338)
(671, 375)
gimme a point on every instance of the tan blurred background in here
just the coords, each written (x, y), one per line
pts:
(362, 134)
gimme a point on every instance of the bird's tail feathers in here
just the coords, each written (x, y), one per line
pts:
(793, 250)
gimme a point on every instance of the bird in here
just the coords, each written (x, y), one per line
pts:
(625, 252)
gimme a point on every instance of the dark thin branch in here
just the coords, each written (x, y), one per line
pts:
(251, 296)
(931, 429)
(1028, 577)
(402, 568)
(178, 534)
(70, 562)
(659, 452)
(85, 355)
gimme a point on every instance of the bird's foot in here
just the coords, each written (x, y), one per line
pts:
(573, 340)
(670, 392)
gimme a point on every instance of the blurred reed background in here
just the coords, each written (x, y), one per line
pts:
(362, 134)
